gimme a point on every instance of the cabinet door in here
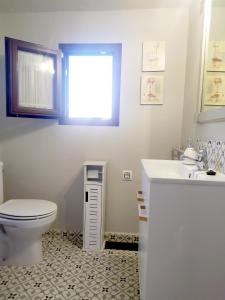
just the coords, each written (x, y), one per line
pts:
(33, 74)
(92, 216)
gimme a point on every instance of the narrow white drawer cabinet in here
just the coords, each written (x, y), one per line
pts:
(94, 205)
(92, 216)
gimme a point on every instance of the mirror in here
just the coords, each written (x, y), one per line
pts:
(212, 95)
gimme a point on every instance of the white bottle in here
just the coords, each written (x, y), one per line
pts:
(190, 153)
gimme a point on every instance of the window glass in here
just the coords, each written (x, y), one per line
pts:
(91, 80)
(35, 80)
(90, 87)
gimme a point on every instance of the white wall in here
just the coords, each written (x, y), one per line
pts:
(44, 160)
(2, 77)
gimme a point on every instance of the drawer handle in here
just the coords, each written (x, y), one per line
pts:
(86, 196)
(140, 197)
(142, 216)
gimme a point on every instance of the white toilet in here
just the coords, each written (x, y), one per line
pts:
(22, 223)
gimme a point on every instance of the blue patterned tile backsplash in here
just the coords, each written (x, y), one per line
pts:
(215, 154)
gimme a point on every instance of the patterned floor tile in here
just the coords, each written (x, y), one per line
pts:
(14, 295)
(8, 281)
(67, 272)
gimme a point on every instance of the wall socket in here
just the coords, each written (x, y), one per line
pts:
(127, 175)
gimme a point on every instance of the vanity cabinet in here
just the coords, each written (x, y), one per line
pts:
(182, 240)
(144, 220)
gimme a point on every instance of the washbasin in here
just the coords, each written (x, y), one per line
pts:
(201, 175)
(175, 170)
(192, 172)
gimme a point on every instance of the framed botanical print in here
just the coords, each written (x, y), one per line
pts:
(216, 56)
(214, 89)
(152, 89)
(153, 56)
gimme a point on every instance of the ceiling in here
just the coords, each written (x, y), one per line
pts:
(68, 5)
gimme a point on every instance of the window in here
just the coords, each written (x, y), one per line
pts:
(91, 83)
(87, 92)
(32, 80)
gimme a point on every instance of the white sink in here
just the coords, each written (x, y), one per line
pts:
(201, 175)
(176, 171)
(192, 172)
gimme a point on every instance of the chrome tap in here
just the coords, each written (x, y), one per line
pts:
(202, 162)
(199, 158)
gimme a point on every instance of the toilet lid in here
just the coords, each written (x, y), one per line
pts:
(27, 208)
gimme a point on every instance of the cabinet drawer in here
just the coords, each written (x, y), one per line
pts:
(142, 213)
(140, 197)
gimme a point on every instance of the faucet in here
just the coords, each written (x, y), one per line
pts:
(199, 158)
(202, 160)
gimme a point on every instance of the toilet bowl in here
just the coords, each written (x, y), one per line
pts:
(22, 223)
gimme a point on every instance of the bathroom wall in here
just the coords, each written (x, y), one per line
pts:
(44, 160)
(2, 77)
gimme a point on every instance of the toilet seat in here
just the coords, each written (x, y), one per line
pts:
(30, 218)
(27, 209)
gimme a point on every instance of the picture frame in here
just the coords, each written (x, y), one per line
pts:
(153, 56)
(214, 89)
(152, 89)
(216, 56)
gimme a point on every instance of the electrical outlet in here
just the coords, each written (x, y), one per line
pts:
(127, 175)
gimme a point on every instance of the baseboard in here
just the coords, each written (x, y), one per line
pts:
(113, 237)
(121, 237)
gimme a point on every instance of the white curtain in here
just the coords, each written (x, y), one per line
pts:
(35, 80)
